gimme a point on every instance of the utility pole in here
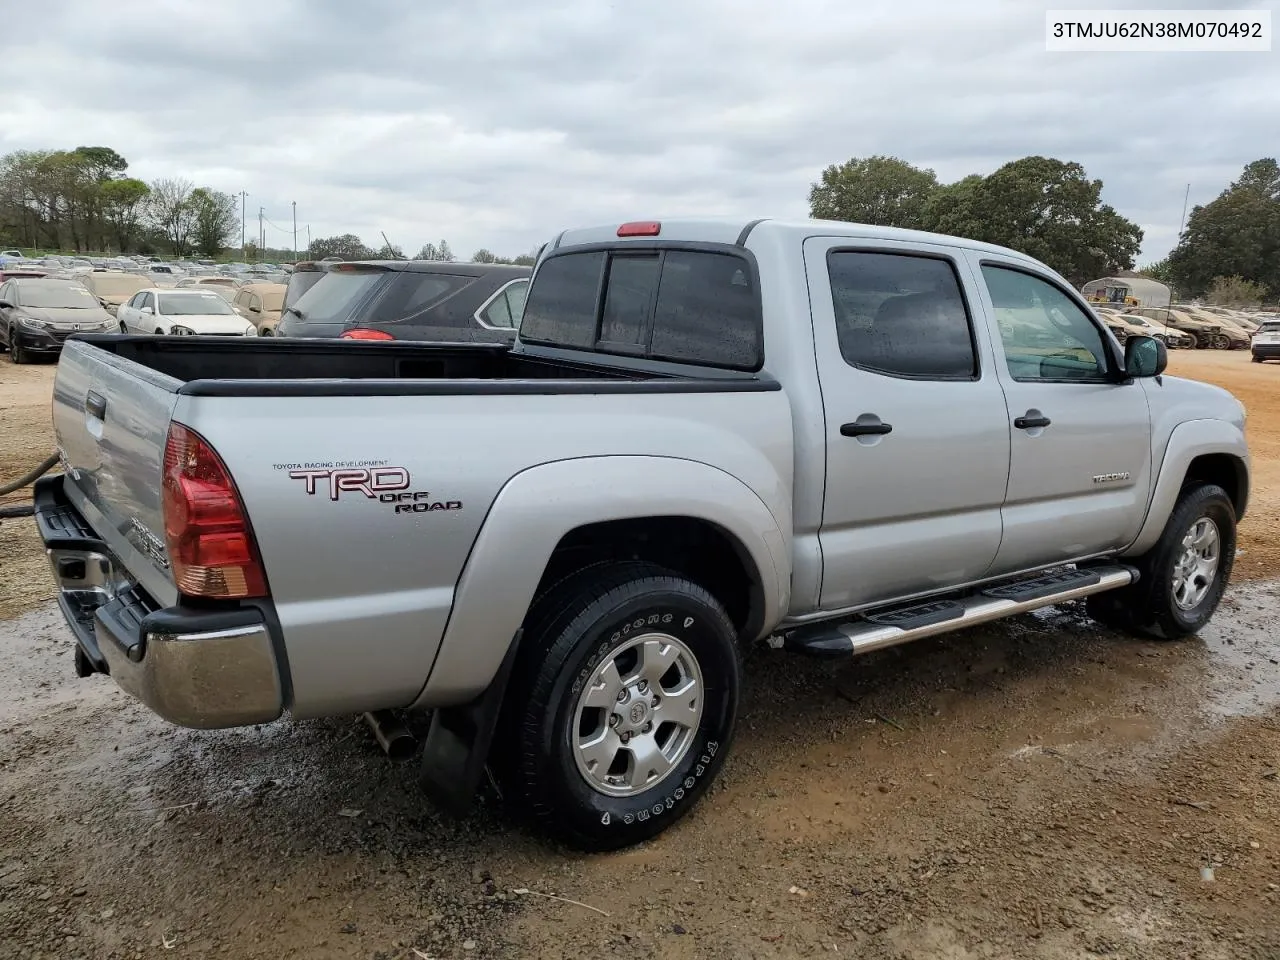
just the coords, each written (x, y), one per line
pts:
(262, 236)
(242, 196)
(295, 231)
(308, 241)
(1185, 198)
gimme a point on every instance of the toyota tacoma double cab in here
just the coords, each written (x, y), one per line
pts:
(708, 433)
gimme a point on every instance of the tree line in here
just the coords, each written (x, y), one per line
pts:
(1230, 249)
(1046, 208)
(348, 246)
(1051, 210)
(84, 200)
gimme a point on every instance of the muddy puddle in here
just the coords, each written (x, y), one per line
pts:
(1027, 789)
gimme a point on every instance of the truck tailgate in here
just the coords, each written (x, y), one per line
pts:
(111, 417)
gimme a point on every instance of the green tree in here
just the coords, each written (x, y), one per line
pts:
(124, 202)
(1160, 270)
(1235, 292)
(215, 218)
(1046, 208)
(1237, 234)
(347, 246)
(389, 251)
(432, 251)
(879, 190)
(484, 255)
(170, 211)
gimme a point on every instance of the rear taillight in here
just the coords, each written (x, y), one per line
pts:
(359, 334)
(211, 546)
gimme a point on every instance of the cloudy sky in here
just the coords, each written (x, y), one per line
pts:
(495, 123)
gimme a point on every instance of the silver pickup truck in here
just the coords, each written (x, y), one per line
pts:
(708, 433)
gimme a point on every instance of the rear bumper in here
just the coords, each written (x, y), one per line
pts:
(194, 667)
(1268, 351)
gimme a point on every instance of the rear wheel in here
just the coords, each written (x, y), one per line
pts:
(1195, 342)
(1181, 578)
(623, 705)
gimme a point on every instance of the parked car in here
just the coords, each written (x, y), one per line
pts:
(11, 273)
(1142, 326)
(112, 288)
(214, 280)
(1266, 342)
(260, 304)
(165, 274)
(1204, 334)
(410, 300)
(182, 312)
(707, 433)
(1237, 336)
(37, 315)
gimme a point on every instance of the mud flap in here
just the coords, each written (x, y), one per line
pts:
(457, 744)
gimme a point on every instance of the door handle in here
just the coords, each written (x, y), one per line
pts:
(95, 404)
(1027, 423)
(856, 429)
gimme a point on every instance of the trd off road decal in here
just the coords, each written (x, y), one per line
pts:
(389, 485)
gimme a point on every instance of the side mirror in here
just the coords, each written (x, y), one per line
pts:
(255, 309)
(1145, 357)
(146, 310)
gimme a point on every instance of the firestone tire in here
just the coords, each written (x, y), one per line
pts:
(1179, 587)
(573, 635)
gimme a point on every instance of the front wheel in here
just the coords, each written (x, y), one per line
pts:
(16, 353)
(624, 704)
(1195, 343)
(1182, 578)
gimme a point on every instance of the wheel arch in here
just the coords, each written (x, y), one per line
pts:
(1199, 451)
(553, 519)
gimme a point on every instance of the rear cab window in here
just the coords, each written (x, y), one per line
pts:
(672, 303)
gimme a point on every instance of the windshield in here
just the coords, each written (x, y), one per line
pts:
(332, 299)
(193, 305)
(60, 296)
(106, 286)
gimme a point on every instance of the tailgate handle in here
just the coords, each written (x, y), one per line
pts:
(95, 404)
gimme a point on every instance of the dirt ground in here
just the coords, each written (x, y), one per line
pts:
(1042, 788)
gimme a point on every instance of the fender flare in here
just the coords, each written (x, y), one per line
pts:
(534, 511)
(1191, 439)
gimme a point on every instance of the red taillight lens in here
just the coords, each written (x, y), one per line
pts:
(211, 546)
(359, 334)
(640, 228)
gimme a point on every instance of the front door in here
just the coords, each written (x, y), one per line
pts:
(1080, 456)
(916, 427)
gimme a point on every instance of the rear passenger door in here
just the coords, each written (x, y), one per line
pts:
(916, 425)
(1080, 454)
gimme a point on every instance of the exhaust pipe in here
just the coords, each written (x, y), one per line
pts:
(393, 737)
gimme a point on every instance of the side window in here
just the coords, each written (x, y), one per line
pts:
(901, 315)
(147, 301)
(411, 294)
(255, 303)
(516, 294)
(561, 307)
(708, 311)
(507, 306)
(628, 296)
(1046, 336)
(238, 300)
(4, 292)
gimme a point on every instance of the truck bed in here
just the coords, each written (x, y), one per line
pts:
(267, 366)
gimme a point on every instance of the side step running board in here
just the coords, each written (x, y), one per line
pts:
(888, 628)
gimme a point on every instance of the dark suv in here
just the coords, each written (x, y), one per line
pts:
(411, 300)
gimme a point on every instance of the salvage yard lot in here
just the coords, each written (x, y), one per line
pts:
(1041, 788)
